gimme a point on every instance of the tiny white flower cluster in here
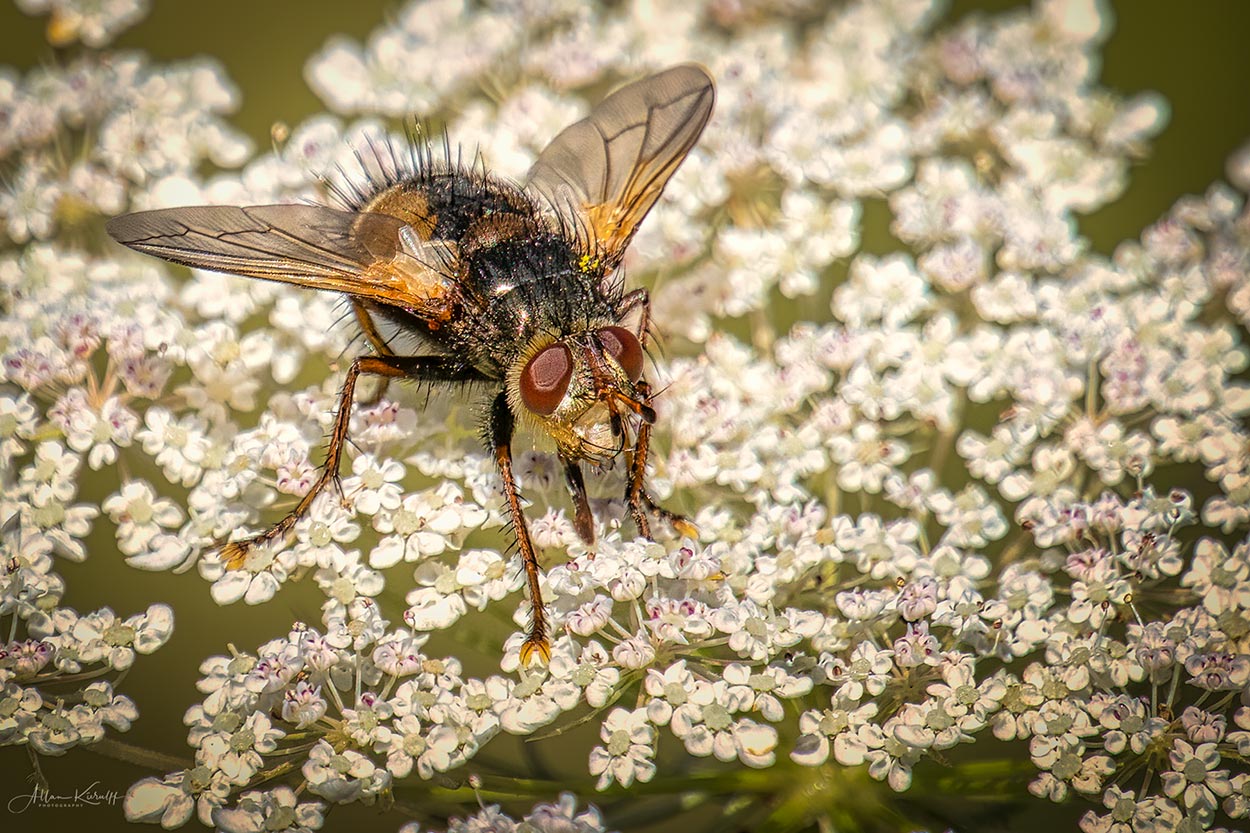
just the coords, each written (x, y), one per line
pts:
(998, 487)
(364, 705)
(44, 701)
(93, 22)
(560, 817)
(63, 311)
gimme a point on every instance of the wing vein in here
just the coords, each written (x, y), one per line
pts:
(605, 172)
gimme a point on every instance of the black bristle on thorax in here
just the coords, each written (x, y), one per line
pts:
(523, 269)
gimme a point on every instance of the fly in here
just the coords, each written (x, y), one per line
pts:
(513, 286)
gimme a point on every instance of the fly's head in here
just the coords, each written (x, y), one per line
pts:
(582, 389)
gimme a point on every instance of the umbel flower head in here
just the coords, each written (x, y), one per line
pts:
(986, 485)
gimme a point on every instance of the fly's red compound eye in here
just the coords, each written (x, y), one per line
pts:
(622, 345)
(545, 379)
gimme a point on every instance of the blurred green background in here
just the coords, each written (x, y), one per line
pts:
(1195, 54)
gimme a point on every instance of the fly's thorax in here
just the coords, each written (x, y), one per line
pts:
(524, 284)
(443, 201)
(579, 389)
(409, 203)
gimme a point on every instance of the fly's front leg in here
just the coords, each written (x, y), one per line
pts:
(423, 368)
(583, 520)
(636, 497)
(501, 426)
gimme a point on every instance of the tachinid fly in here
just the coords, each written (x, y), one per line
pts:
(512, 286)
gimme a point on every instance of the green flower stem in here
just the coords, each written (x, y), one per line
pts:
(139, 756)
(776, 799)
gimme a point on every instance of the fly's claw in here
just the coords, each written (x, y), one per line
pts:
(234, 553)
(535, 645)
(536, 642)
(685, 527)
(644, 504)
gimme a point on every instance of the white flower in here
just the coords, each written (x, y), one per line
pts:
(435, 752)
(98, 429)
(178, 446)
(365, 724)
(303, 705)
(637, 651)
(320, 534)
(1221, 580)
(1112, 453)
(344, 579)
(536, 702)
(768, 686)
(274, 809)
(889, 290)
(103, 637)
(423, 524)
(237, 754)
(374, 484)
(667, 690)
(629, 750)
(94, 24)
(140, 516)
(1194, 780)
(255, 582)
(17, 423)
(343, 778)
(933, 724)
(168, 802)
(705, 722)
(844, 724)
(867, 671)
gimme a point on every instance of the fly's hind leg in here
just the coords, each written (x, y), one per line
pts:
(640, 502)
(422, 368)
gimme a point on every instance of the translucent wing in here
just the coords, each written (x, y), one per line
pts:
(605, 172)
(373, 256)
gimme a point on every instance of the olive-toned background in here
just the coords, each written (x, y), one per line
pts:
(1195, 54)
